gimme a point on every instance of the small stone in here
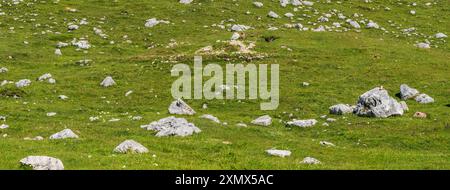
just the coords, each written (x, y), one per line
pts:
(272, 14)
(264, 120)
(280, 153)
(181, 108)
(440, 35)
(23, 83)
(66, 133)
(63, 97)
(130, 146)
(302, 123)
(258, 4)
(331, 120)
(51, 114)
(377, 103)
(424, 99)
(340, 109)
(241, 125)
(210, 117)
(108, 81)
(42, 163)
(310, 160)
(186, 1)
(423, 45)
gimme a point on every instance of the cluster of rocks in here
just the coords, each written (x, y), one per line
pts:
(378, 103)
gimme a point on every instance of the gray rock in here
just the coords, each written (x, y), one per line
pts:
(423, 45)
(302, 123)
(341, 109)
(186, 1)
(210, 117)
(258, 4)
(172, 126)
(280, 153)
(42, 163)
(108, 81)
(66, 133)
(239, 28)
(130, 146)
(181, 108)
(264, 120)
(272, 14)
(23, 83)
(310, 160)
(424, 99)
(377, 103)
(407, 92)
(440, 35)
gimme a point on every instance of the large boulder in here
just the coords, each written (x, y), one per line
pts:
(181, 108)
(407, 92)
(130, 146)
(42, 163)
(378, 103)
(172, 126)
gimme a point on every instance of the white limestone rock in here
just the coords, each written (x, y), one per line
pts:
(279, 153)
(424, 99)
(172, 126)
(302, 123)
(210, 117)
(407, 92)
(130, 146)
(272, 14)
(181, 108)
(23, 83)
(4, 126)
(310, 160)
(42, 163)
(66, 133)
(264, 120)
(186, 2)
(340, 109)
(377, 103)
(108, 81)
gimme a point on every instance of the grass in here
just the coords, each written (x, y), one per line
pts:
(339, 66)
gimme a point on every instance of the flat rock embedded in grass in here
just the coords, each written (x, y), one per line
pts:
(130, 146)
(186, 1)
(377, 103)
(172, 126)
(181, 108)
(310, 160)
(264, 120)
(66, 133)
(302, 123)
(42, 163)
(280, 153)
(210, 117)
